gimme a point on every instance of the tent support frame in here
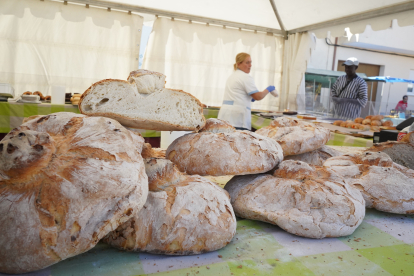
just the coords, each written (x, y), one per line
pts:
(133, 8)
(402, 7)
(282, 27)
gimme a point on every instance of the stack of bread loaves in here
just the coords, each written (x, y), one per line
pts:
(371, 122)
(66, 180)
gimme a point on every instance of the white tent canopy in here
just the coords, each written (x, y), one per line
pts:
(277, 15)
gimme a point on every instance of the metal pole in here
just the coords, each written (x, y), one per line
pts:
(370, 98)
(386, 107)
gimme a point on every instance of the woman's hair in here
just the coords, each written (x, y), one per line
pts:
(240, 58)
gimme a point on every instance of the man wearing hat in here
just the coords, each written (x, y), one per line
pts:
(349, 92)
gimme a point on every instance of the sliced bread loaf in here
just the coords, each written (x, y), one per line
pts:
(165, 109)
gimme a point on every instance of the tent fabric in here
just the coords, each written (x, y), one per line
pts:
(297, 53)
(198, 59)
(43, 44)
(389, 79)
(293, 13)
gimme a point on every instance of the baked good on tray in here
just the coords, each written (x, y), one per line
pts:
(66, 180)
(385, 185)
(183, 215)
(165, 109)
(220, 149)
(295, 136)
(307, 201)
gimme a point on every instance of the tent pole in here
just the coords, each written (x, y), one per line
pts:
(370, 98)
(279, 20)
(386, 107)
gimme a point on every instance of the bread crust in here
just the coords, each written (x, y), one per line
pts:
(296, 137)
(183, 215)
(303, 200)
(316, 157)
(385, 185)
(141, 123)
(224, 153)
(66, 180)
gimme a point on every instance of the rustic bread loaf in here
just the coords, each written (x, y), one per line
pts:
(231, 152)
(306, 201)
(376, 123)
(165, 109)
(146, 81)
(183, 215)
(364, 127)
(386, 186)
(366, 122)
(338, 123)
(148, 151)
(66, 180)
(316, 157)
(401, 152)
(294, 136)
(359, 120)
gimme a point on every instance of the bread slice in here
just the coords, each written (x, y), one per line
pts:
(165, 109)
(147, 82)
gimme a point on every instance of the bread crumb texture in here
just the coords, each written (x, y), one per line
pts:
(162, 109)
(66, 180)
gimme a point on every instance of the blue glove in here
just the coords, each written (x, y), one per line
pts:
(270, 88)
(253, 100)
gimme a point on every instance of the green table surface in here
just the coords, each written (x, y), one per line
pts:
(12, 115)
(382, 245)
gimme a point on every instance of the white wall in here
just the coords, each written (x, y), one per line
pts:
(396, 39)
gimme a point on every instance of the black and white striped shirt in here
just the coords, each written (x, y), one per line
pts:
(350, 101)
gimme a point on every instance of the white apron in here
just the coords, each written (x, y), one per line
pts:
(236, 106)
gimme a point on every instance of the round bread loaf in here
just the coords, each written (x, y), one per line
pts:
(66, 180)
(375, 128)
(358, 120)
(364, 127)
(356, 125)
(377, 117)
(387, 123)
(376, 123)
(307, 201)
(316, 157)
(211, 152)
(343, 124)
(366, 122)
(349, 125)
(337, 123)
(183, 215)
(385, 186)
(294, 136)
(368, 117)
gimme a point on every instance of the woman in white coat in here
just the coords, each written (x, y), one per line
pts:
(240, 91)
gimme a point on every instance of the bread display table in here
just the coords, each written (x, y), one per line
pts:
(12, 115)
(382, 245)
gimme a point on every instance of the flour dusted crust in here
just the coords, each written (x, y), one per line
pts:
(165, 109)
(385, 185)
(304, 200)
(212, 152)
(146, 81)
(66, 180)
(294, 136)
(183, 215)
(316, 157)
